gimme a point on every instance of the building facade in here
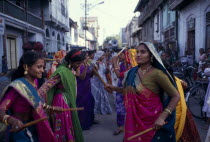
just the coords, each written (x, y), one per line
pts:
(56, 24)
(23, 22)
(123, 37)
(93, 28)
(193, 25)
(130, 31)
(183, 26)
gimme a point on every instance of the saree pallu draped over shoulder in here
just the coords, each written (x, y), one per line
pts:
(29, 93)
(143, 107)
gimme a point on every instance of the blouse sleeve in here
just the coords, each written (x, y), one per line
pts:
(164, 82)
(9, 99)
(49, 84)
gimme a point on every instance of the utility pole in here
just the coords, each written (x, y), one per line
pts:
(85, 28)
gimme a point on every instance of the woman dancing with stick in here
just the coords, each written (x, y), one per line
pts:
(61, 92)
(20, 103)
(146, 105)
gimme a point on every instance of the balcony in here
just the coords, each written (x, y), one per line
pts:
(35, 20)
(178, 4)
(148, 10)
(20, 13)
(14, 11)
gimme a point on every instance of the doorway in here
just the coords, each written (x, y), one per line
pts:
(11, 53)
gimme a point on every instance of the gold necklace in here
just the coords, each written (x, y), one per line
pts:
(145, 71)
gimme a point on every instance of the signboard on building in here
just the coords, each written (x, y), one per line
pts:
(1, 26)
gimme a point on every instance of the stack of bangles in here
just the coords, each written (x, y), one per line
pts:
(5, 119)
(47, 107)
(167, 111)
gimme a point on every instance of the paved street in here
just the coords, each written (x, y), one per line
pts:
(102, 132)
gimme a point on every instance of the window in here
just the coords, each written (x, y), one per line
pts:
(47, 33)
(63, 41)
(157, 23)
(18, 3)
(53, 33)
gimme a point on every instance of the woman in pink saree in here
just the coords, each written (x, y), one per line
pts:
(146, 104)
(20, 103)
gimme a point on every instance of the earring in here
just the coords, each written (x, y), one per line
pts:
(26, 70)
(69, 66)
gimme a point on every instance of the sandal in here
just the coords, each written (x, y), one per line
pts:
(117, 132)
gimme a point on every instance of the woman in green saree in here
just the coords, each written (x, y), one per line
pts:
(61, 92)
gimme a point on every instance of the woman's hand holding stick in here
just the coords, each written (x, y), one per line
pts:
(29, 124)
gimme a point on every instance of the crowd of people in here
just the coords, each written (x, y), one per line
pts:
(148, 97)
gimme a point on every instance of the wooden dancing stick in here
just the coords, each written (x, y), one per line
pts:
(120, 51)
(29, 124)
(96, 72)
(139, 134)
(49, 59)
(73, 109)
(99, 77)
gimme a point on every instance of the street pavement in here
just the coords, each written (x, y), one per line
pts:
(103, 132)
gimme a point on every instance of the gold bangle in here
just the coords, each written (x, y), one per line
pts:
(44, 105)
(168, 111)
(47, 107)
(5, 119)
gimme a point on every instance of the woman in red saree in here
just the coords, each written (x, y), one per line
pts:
(20, 103)
(146, 104)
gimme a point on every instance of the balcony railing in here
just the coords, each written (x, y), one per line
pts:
(149, 9)
(175, 3)
(14, 11)
(35, 20)
(20, 13)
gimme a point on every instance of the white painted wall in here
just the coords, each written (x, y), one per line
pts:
(56, 11)
(196, 9)
(53, 42)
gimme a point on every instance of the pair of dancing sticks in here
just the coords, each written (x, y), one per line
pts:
(42, 119)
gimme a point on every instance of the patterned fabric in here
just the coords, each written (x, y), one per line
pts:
(62, 122)
(23, 89)
(190, 132)
(130, 56)
(142, 110)
(48, 85)
(181, 111)
(102, 105)
(166, 133)
(58, 57)
(120, 108)
(68, 91)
